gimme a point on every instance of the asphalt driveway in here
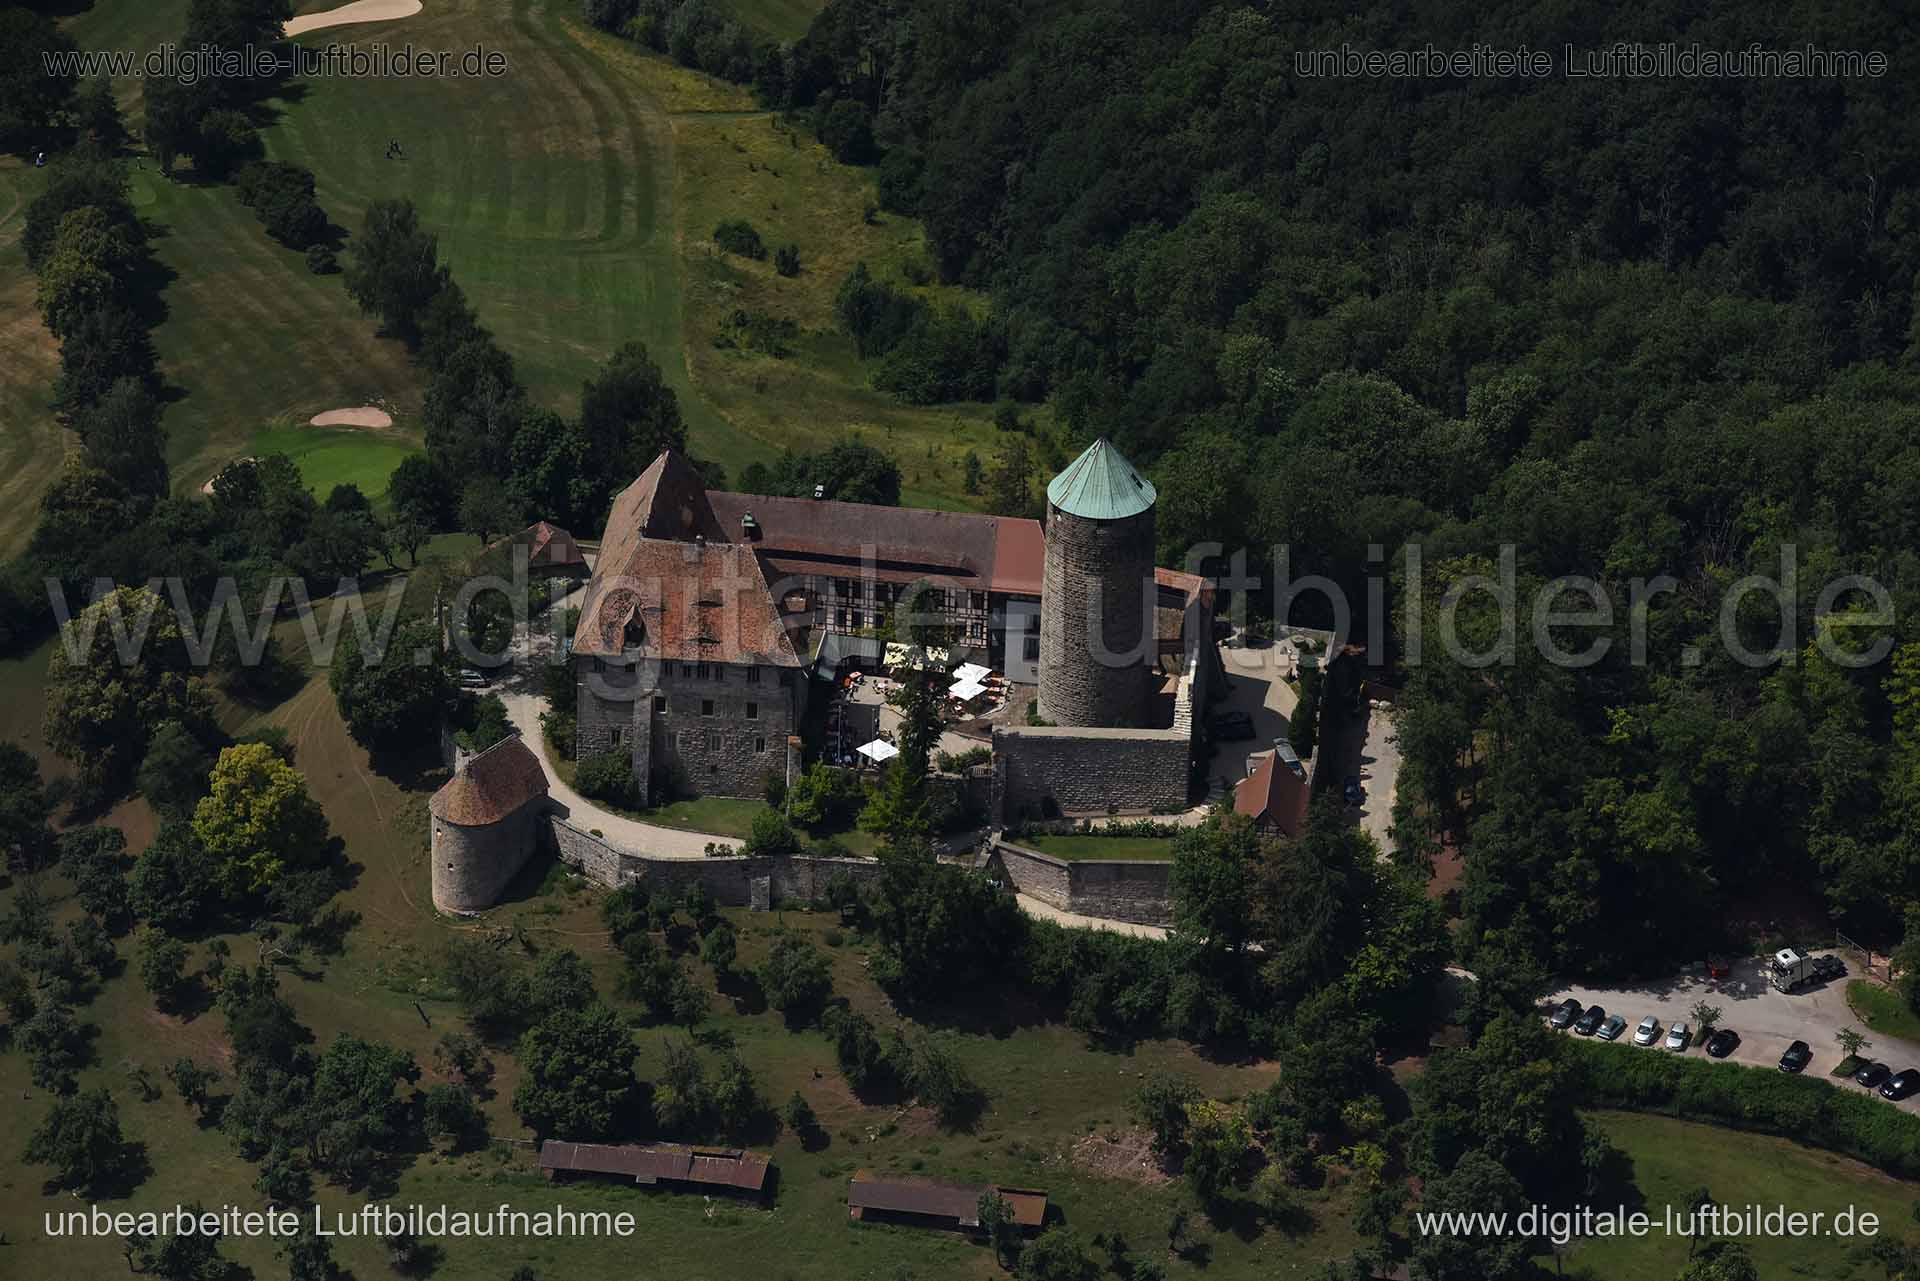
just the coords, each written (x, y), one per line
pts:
(1767, 1021)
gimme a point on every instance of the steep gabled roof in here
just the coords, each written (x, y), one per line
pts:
(685, 602)
(491, 785)
(1274, 792)
(1100, 485)
(668, 500)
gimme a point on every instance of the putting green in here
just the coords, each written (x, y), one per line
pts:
(328, 456)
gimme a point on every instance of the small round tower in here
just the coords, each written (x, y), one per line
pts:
(485, 825)
(1096, 593)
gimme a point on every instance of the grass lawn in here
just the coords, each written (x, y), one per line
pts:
(33, 445)
(725, 816)
(574, 199)
(1083, 846)
(1671, 1158)
(721, 815)
(1049, 1089)
(1883, 1010)
(785, 20)
(330, 456)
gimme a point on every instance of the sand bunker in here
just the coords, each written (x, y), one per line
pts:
(208, 487)
(364, 416)
(358, 11)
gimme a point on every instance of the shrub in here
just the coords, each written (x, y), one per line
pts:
(771, 835)
(607, 776)
(863, 1062)
(786, 260)
(951, 763)
(825, 796)
(795, 977)
(1808, 1111)
(737, 236)
(321, 261)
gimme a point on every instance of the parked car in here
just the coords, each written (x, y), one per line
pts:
(1564, 1014)
(471, 679)
(1612, 1028)
(1350, 788)
(1589, 1023)
(1798, 1055)
(1901, 1084)
(1231, 725)
(1873, 1075)
(1648, 1032)
(1679, 1036)
(1721, 1043)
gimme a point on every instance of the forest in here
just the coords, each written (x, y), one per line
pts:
(1628, 327)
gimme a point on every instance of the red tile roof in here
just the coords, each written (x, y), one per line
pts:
(1274, 792)
(490, 786)
(949, 549)
(548, 544)
(656, 596)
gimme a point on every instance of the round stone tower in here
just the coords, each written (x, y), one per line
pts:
(1096, 593)
(485, 825)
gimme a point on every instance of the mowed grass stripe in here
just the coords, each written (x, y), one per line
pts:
(251, 335)
(33, 444)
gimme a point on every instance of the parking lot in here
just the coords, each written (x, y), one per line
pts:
(1766, 1020)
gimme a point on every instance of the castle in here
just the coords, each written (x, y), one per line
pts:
(708, 612)
(713, 618)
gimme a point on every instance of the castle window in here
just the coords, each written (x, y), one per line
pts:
(1032, 648)
(841, 616)
(686, 669)
(844, 586)
(978, 600)
(704, 671)
(759, 745)
(753, 711)
(619, 735)
(659, 704)
(706, 707)
(714, 742)
(753, 675)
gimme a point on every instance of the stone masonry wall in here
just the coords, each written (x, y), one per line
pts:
(472, 865)
(796, 879)
(1086, 771)
(1096, 605)
(720, 735)
(1112, 889)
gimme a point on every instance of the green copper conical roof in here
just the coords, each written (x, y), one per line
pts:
(1100, 485)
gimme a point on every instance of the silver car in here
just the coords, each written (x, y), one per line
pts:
(1678, 1036)
(1648, 1032)
(1612, 1028)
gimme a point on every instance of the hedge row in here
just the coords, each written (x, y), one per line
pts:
(1841, 1118)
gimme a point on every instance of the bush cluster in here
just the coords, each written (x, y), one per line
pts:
(1806, 1110)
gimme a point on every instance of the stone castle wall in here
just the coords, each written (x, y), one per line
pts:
(1112, 889)
(1097, 600)
(794, 879)
(717, 736)
(1044, 772)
